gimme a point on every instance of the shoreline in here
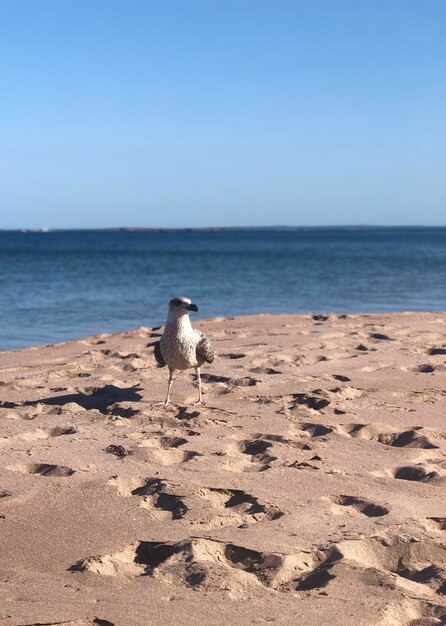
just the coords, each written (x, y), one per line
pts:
(197, 320)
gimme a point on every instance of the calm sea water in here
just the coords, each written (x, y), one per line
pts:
(60, 285)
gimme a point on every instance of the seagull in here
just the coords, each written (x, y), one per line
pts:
(182, 346)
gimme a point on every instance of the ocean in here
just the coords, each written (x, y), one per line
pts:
(57, 286)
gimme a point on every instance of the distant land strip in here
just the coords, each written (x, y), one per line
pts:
(145, 229)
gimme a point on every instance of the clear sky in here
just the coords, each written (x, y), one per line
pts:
(228, 112)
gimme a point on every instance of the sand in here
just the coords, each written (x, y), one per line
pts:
(310, 490)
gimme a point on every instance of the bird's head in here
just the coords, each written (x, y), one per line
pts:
(181, 306)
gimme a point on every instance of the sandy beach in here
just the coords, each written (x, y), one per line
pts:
(310, 490)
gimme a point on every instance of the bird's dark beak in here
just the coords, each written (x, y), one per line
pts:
(193, 307)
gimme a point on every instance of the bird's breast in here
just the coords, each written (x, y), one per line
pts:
(179, 351)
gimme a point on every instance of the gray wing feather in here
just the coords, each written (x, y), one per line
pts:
(204, 351)
(158, 356)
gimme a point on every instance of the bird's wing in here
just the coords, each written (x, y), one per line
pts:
(204, 351)
(158, 356)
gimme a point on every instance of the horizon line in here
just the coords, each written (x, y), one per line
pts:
(218, 228)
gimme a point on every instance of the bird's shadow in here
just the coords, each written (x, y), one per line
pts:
(100, 398)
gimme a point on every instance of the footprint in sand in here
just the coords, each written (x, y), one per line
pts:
(312, 402)
(305, 359)
(356, 505)
(314, 430)
(361, 348)
(415, 473)
(425, 368)
(44, 469)
(117, 450)
(419, 566)
(165, 450)
(41, 433)
(413, 438)
(436, 351)
(157, 500)
(436, 523)
(380, 337)
(246, 381)
(315, 401)
(341, 378)
(233, 507)
(122, 410)
(346, 392)
(204, 564)
(265, 370)
(257, 449)
(419, 473)
(206, 507)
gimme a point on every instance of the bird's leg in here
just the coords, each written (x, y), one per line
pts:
(169, 387)
(200, 397)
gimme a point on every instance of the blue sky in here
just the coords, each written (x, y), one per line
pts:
(229, 112)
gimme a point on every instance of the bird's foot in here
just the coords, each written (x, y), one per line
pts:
(199, 403)
(165, 403)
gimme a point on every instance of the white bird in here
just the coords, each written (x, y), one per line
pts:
(182, 346)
